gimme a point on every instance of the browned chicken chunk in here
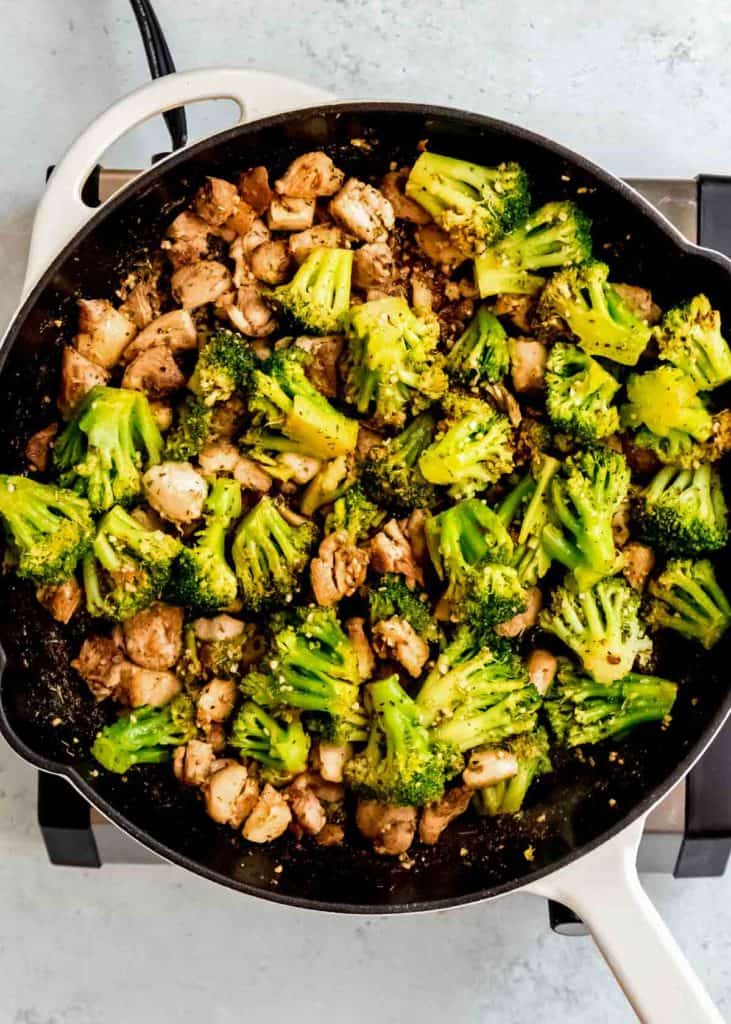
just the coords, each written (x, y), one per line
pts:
(216, 702)
(220, 627)
(38, 448)
(175, 330)
(250, 314)
(154, 372)
(404, 208)
(391, 829)
(271, 262)
(527, 364)
(542, 667)
(78, 376)
(397, 639)
(141, 686)
(216, 200)
(269, 818)
(193, 762)
(323, 236)
(640, 302)
(176, 491)
(322, 370)
(331, 759)
(438, 247)
(392, 552)
(189, 239)
(363, 650)
(488, 767)
(230, 794)
(142, 301)
(330, 835)
(437, 815)
(307, 810)
(62, 601)
(338, 570)
(518, 309)
(362, 211)
(639, 561)
(290, 214)
(104, 332)
(373, 266)
(196, 284)
(254, 189)
(153, 638)
(99, 664)
(310, 176)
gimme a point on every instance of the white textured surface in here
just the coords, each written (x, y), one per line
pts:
(642, 88)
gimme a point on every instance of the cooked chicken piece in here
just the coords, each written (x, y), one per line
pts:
(104, 332)
(488, 767)
(396, 638)
(414, 529)
(437, 815)
(141, 686)
(153, 638)
(620, 523)
(62, 600)
(323, 236)
(517, 308)
(216, 702)
(640, 302)
(216, 200)
(338, 570)
(175, 330)
(332, 758)
(250, 314)
(527, 364)
(505, 402)
(192, 763)
(154, 372)
(78, 376)
(176, 491)
(196, 284)
(639, 561)
(392, 829)
(162, 413)
(142, 302)
(189, 239)
(270, 817)
(404, 208)
(322, 370)
(242, 220)
(423, 297)
(290, 214)
(302, 467)
(38, 448)
(258, 234)
(373, 266)
(218, 457)
(227, 418)
(363, 650)
(438, 247)
(100, 664)
(308, 812)
(328, 792)
(309, 176)
(231, 794)
(367, 439)
(251, 476)
(542, 667)
(147, 518)
(330, 835)
(525, 620)
(271, 262)
(392, 552)
(254, 188)
(220, 627)
(362, 211)
(641, 461)
(242, 271)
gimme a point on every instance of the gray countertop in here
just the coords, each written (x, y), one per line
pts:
(644, 89)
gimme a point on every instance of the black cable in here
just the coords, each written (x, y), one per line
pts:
(160, 62)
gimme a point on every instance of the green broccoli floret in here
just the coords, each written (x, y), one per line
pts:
(269, 555)
(556, 235)
(317, 299)
(475, 205)
(690, 338)
(391, 596)
(128, 566)
(354, 514)
(313, 667)
(473, 447)
(111, 437)
(280, 746)
(48, 529)
(668, 415)
(530, 558)
(583, 498)
(327, 485)
(402, 763)
(390, 473)
(683, 511)
(233, 656)
(601, 626)
(202, 578)
(481, 353)
(145, 735)
(532, 753)
(582, 300)
(687, 598)
(581, 710)
(392, 365)
(579, 393)
(493, 594)
(225, 364)
(190, 434)
(291, 415)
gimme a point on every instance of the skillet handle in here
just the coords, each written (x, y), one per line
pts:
(604, 889)
(62, 213)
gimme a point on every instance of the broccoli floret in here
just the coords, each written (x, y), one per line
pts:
(317, 298)
(111, 437)
(582, 299)
(146, 735)
(402, 763)
(473, 447)
(683, 511)
(390, 473)
(530, 559)
(556, 235)
(579, 393)
(202, 578)
(475, 205)
(493, 594)
(481, 353)
(327, 485)
(687, 598)
(280, 746)
(354, 514)
(392, 597)
(48, 529)
(291, 415)
(392, 365)
(581, 710)
(601, 626)
(690, 338)
(668, 414)
(231, 657)
(225, 364)
(583, 498)
(532, 753)
(191, 432)
(269, 555)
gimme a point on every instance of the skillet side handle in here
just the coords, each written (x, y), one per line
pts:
(604, 889)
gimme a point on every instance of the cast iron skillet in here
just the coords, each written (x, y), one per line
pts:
(46, 713)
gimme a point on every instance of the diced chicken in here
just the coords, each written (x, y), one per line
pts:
(620, 523)
(100, 664)
(332, 758)
(224, 457)
(640, 302)
(527, 364)
(250, 314)
(439, 813)
(216, 200)
(414, 529)
(270, 817)
(517, 308)
(195, 284)
(362, 211)
(373, 266)
(363, 650)
(524, 620)
(38, 448)
(505, 402)
(423, 296)
(339, 569)
(142, 302)
(328, 792)
(62, 601)
(322, 370)
(309, 176)
(141, 686)
(242, 220)
(216, 702)
(391, 829)
(488, 767)
(220, 627)
(392, 552)
(290, 214)
(193, 762)
(147, 518)
(330, 835)
(404, 208)
(542, 667)
(257, 235)
(154, 372)
(307, 810)
(104, 332)
(153, 638)
(190, 239)
(254, 188)
(641, 461)
(78, 376)
(639, 561)
(323, 236)
(162, 413)
(175, 330)
(176, 491)
(271, 262)
(302, 468)
(367, 439)
(227, 418)
(251, 476)
(396, 638)
(231, 795)
(438, 247)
